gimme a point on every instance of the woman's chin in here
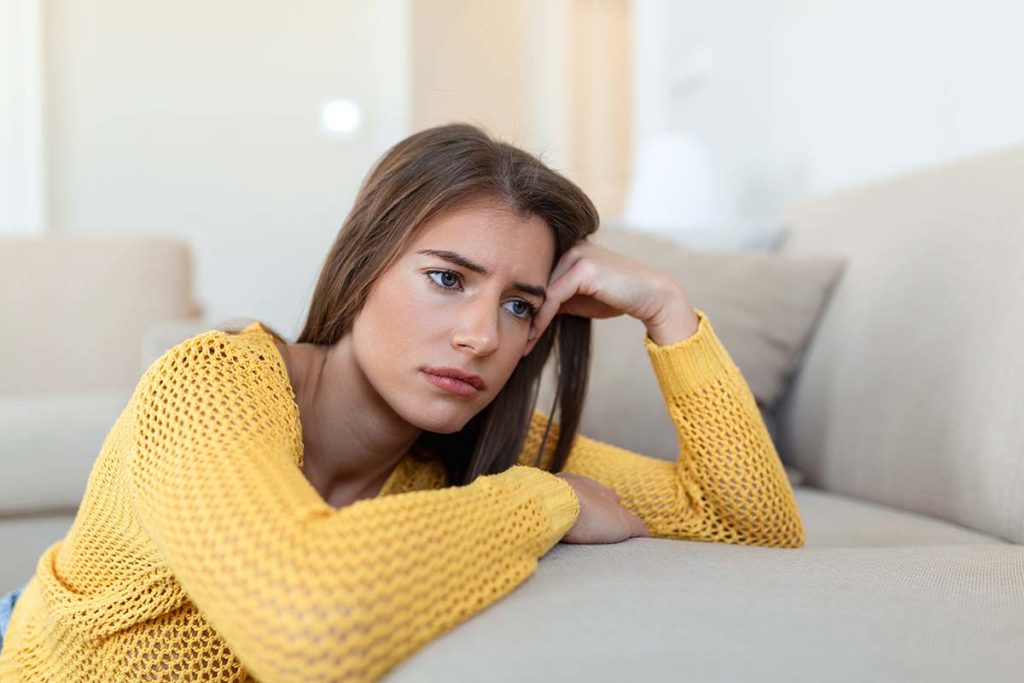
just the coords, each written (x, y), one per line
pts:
(444, 419)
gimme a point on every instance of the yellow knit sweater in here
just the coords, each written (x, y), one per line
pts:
(200, 551)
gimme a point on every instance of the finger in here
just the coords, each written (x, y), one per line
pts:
(568, 260)
(633, 523)
(640, 528)
(559, 292)
(544, 316)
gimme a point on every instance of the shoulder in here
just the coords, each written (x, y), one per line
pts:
(213, 389)
(209, 349)
(216, 361)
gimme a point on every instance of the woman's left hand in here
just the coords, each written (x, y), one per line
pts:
(593, 281)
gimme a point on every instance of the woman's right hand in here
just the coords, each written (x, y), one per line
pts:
(602, 518)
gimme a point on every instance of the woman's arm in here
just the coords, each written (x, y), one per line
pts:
(299, 590)
(728, 483)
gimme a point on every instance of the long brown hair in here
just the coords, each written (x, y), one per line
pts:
(425, 174)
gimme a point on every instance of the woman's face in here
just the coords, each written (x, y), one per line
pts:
(428, 311)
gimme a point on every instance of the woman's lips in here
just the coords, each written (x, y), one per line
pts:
(456, 386)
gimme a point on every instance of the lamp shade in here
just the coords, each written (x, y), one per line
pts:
(672, 189)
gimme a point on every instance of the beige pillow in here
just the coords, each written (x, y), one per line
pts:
(763, 306)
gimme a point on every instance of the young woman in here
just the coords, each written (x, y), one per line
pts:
(318, 510)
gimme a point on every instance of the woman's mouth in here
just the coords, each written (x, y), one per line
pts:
(455, 386)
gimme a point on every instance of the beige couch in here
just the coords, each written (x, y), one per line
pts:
(76, 315)
(905, 419)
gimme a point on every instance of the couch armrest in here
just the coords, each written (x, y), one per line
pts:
(159, 337)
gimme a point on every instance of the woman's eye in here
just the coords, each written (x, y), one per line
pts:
(444, 274)
(528, 312)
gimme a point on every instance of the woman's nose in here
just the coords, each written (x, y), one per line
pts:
(478, 327)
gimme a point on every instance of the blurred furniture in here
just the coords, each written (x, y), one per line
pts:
(75, 312)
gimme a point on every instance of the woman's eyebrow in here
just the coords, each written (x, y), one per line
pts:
(460, 260)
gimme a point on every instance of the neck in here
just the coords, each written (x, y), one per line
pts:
(352, 438)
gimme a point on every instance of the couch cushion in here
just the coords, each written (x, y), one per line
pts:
(664, 610)
(837, 521)
(48, 444)
(763, 306)
(910, 391)
(23, 540)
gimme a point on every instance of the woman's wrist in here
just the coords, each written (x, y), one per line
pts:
(676, 322)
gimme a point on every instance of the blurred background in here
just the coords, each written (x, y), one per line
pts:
(245, 128)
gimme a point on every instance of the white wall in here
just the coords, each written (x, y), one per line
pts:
(200, 119)
(808, 96)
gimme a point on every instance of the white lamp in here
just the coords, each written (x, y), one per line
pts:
(672, 189)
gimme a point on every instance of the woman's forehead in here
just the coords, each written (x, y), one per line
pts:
(493, 230)
(513, 246)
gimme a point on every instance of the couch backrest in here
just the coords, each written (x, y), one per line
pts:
(102, 293)
(911, 392)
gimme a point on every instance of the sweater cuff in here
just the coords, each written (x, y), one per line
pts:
(691, 363)
(555, 494)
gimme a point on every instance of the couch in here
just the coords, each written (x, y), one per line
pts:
(904, 420)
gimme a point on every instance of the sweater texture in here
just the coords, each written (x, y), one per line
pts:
(201, 552)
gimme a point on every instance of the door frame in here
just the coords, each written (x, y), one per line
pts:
(22, 120)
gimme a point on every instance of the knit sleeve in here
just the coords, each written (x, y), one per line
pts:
(299, 590)
(727, 484)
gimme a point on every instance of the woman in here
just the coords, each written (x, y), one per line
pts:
(319, 510)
